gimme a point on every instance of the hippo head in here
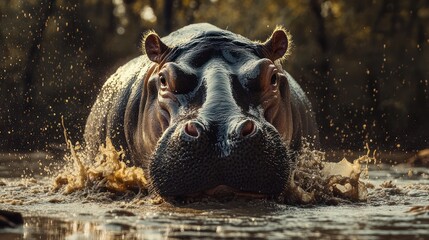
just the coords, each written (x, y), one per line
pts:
(218, 114)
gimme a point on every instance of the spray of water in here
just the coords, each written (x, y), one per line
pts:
(108, 170)
(313, 180)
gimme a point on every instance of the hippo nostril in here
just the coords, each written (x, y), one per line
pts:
(247, 128)
(192, 129)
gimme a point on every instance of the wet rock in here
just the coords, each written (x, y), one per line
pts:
(9, 219)
(421, 159)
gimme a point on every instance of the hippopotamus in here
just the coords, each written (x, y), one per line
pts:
(204, 109)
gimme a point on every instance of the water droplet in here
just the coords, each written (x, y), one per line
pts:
(148, 14)
(120, 30)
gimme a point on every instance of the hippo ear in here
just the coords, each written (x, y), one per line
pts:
(154, 48)
(277, 45)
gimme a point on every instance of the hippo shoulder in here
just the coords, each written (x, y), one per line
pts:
(106, 117)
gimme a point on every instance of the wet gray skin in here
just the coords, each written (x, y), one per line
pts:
(205, 110)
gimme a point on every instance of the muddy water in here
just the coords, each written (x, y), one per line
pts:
(393, 209)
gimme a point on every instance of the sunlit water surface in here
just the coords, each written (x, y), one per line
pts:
(391, 211)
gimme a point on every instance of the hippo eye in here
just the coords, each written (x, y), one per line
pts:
(274, 79)
(163, 81)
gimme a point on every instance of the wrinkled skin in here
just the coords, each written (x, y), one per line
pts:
(205, 109)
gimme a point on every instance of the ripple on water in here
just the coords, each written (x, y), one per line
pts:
(106, 200)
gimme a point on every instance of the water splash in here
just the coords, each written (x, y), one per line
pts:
(108, 170)
(313, 180)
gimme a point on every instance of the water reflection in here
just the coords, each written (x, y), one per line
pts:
(386, 215)
(360, 221)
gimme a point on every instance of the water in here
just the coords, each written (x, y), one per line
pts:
(26, 184)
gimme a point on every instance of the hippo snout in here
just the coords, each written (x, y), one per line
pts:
(246, 128)
(243, 155)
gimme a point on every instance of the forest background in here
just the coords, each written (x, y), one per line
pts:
(364, 64)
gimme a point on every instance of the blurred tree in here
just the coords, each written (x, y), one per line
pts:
(46, 9)
(326, 90)
(168, 15)
(362, 63)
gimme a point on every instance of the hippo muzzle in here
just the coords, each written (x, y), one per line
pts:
(193, 157)
(205, 110)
